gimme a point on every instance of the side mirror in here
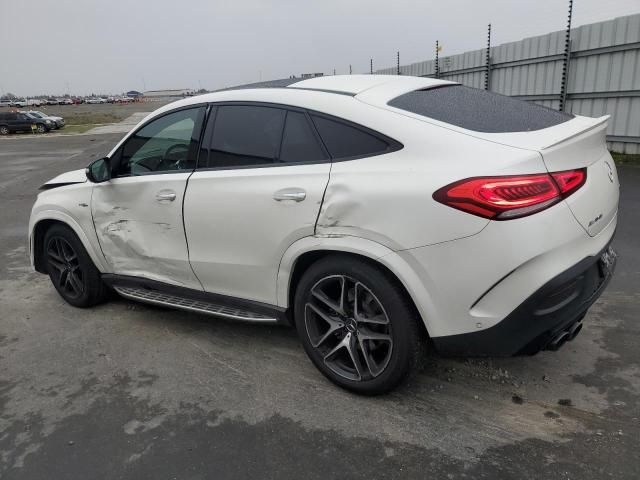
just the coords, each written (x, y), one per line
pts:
(99, 171)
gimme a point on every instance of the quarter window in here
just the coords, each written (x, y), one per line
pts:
(245, 136)
(166, 144)
(299, 142)
(345, 141)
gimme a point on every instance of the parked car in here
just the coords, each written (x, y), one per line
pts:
(18, 102)
(5, 102)
(379, 215)
(52, 101)
(11, 122)
(57, 122)
(95, 100)
(34, 102)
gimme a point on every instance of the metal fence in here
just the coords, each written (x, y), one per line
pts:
(603, 76)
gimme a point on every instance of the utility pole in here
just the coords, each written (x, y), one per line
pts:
(398, 63)
(487, 72)
(565, 61)
(437, 61)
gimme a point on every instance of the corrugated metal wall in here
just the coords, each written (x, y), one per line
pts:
(604, 74)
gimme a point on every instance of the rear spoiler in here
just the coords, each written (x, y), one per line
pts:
(597, 122)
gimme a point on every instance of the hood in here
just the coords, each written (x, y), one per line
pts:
(68, 178)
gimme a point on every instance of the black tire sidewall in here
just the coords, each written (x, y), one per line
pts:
(406, 336)
(94, 290)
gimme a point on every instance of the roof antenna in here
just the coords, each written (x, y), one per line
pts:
(371, 66)
(398, 63)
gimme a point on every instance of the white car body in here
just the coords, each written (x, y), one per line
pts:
(464, 273)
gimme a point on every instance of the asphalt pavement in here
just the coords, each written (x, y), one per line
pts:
(129, 391)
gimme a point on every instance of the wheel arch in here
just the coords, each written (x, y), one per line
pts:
(38, 229)
(306, 251)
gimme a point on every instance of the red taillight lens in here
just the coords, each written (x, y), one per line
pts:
(570, 181)
(504, 198)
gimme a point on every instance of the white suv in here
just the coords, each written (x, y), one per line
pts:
(378, 214)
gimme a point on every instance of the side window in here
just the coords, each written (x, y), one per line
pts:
(345, 141)
(245, 135)
(299, 143)
(166, 144)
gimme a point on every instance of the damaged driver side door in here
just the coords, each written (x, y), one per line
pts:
(138, 212)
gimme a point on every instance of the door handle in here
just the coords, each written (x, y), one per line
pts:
(165, 195)
(295, 194)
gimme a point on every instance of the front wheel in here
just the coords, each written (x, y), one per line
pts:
(70, 268)
(41, 128)
(357, 325)
(4, 130)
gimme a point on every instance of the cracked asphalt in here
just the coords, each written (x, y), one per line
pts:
(128, 391)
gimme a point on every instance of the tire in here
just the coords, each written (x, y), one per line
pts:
(385, 325)
(41, 128)
(4, 130)
(70, 268)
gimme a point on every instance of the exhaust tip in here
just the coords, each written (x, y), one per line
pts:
(575, 330)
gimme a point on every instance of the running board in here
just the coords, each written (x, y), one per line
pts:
(156, 297)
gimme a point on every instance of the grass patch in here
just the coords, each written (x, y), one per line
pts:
(626, 158)
(86, 118)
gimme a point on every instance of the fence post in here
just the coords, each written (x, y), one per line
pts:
(487, 73)
(565, 61)
(437, 61)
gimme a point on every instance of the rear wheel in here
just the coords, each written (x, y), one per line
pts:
(40, 128)
(4, 130)
(70, 268)
(357, 325)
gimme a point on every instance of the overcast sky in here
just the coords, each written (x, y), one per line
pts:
(110, 46)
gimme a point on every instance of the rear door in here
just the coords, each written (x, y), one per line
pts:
(138, 213)
(258, 188)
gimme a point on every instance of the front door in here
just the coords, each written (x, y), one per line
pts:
(258, 190)
(138, 213)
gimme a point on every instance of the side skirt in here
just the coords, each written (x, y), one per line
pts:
(159, 293)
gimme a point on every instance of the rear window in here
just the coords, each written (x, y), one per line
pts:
(479, 110)
(345, 141)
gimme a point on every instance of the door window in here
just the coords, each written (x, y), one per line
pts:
(245, 136)
(299, 142)
(167, 144)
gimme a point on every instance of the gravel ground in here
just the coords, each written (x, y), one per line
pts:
(131, 391)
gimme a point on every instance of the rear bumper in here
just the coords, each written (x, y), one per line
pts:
(545, 320)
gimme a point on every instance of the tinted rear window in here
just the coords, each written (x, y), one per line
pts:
(479, 110)
(299, 143)
(345, 141)
(245, 135)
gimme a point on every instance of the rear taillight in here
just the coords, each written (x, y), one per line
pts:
(507, 197)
